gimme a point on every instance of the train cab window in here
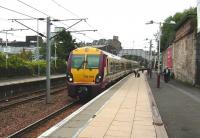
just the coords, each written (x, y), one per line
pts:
(92, 61)
(78, 61)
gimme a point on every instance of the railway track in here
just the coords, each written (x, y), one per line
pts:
(38, 123)
(5, 104)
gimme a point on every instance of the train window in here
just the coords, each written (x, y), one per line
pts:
(78, 61)
(92, 61)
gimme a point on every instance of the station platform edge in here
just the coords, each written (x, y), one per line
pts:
(130, 112)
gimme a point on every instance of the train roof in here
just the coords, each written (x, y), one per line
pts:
(91, 50)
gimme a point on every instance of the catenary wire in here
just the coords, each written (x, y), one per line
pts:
(32, 7)
(40, 12)
(17, 12)
(74, 15)
(65, 8)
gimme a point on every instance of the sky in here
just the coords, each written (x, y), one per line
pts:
(123, 18)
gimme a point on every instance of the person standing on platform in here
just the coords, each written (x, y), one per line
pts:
(166, 74)
(135, 72)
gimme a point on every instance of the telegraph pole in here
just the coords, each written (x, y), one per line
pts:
(38, 53)
(55, 56)
(150, 57)
(48, 67)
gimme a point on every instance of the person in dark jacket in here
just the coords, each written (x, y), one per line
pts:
(135, 72)
(166, 74)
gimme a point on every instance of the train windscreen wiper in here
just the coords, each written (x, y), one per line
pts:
(82, 64)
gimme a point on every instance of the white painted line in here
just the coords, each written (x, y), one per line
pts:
(186, 93)
(64, 121)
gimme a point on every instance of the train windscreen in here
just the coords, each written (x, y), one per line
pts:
(92, 61)
(78, 61)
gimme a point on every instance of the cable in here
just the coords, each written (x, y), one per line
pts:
(31, 29)
(65, 8)
(17, 12)
(47, 15)
(93, 28)
(77, 38)
(40, 11)
(74, 15)
(32, 7)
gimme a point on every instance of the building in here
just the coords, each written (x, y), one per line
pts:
(135, 52)
(183, 56)
(31, 41)
(16, 47)
(111, 45)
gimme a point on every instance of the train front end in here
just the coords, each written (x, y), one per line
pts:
(84, 72)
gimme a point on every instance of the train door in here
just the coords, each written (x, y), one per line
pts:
(105, 65)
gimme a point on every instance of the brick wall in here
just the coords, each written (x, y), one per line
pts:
(186, 54)
(198, 60)
(164, 58)
(184, 58)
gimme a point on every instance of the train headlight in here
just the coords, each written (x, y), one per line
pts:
(98, 78)
(69, 77)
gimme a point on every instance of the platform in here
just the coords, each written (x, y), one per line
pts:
(123, 111)
(5, 82)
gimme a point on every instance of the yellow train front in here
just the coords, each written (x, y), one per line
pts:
(90, 69)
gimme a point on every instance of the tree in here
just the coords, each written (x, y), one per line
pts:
(168, 30)
(64, 43)
(26, 55)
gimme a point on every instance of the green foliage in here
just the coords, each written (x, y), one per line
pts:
(33, 66)
(25, 55)
(168, 32)
(15, 62)
(43, 50)
(2, 60)
(21, 65)
(60, 66)
(65, 44)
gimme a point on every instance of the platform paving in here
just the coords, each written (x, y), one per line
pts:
(127, 114)
(179, 105)
(12, 81)
(123, 111)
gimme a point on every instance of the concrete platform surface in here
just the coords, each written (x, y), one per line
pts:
(4, 82)
(123, 111)
(127, 114)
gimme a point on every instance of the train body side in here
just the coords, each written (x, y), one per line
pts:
(90, 69)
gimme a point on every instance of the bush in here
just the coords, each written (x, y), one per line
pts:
(33, 65)
(17, 66)
(61, 66)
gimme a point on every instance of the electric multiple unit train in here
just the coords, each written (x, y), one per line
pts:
(90, 69)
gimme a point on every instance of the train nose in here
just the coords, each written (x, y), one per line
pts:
(84, 76)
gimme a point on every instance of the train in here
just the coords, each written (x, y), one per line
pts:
(89, 70)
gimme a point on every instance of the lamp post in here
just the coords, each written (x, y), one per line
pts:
(150, 57)
(145, 56)
(159, 43)
(6, 52)
(55, 53)
(56, 44)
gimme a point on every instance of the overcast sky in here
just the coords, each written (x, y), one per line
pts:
(123, 18)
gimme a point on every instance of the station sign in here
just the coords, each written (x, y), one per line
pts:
(169, 57)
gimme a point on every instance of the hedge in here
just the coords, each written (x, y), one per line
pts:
(17, 66)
